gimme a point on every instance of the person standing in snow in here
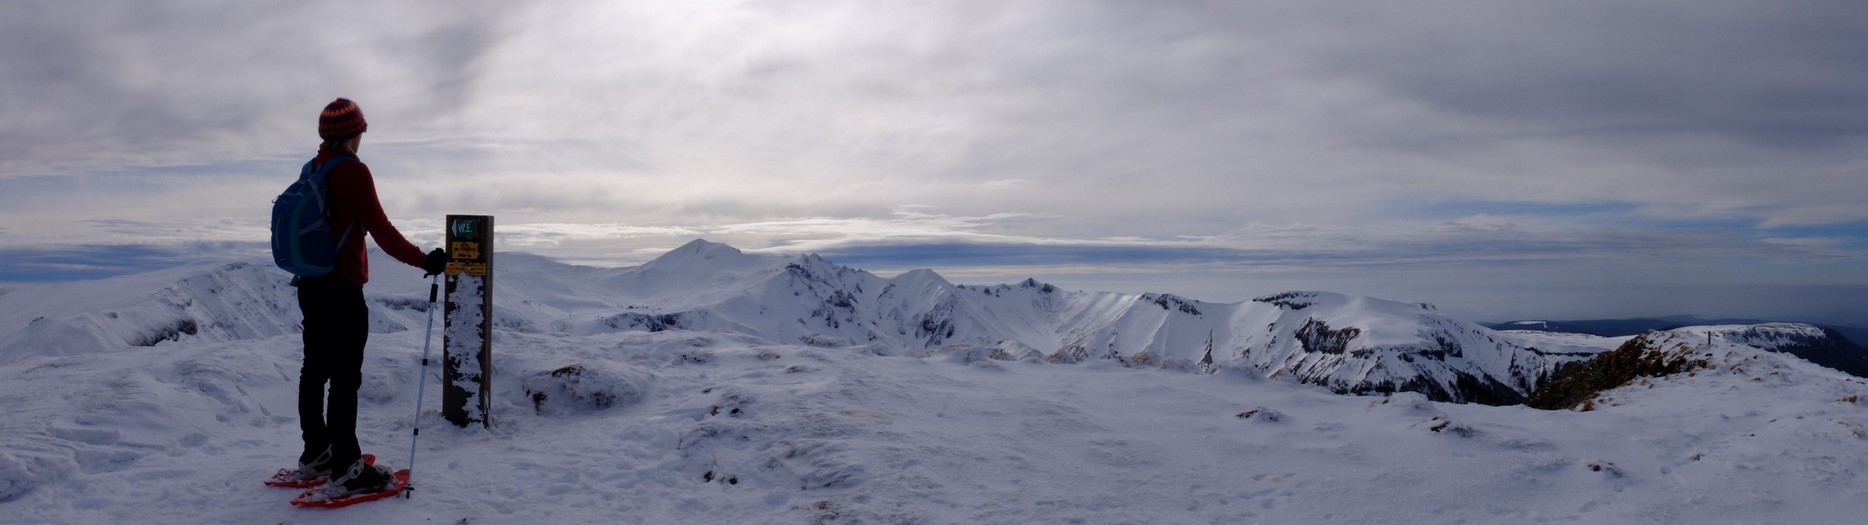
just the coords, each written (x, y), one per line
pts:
(336, 318)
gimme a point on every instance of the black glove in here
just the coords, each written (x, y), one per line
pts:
(436, 262)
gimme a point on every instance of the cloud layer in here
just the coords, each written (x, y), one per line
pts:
(1706, 144)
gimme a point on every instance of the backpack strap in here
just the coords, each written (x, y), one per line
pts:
(319, 178)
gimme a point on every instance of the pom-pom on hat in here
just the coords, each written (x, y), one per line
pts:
(341, 119)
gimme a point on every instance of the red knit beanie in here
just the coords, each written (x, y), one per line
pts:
(341, 119)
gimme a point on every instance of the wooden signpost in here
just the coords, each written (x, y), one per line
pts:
(467, 343)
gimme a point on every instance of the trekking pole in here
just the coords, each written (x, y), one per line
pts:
(434, 289)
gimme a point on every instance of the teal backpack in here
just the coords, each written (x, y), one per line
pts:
(301, 229)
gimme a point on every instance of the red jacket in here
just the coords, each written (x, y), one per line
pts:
(354, 202)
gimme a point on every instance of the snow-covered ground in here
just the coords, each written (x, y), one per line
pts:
(717, 426)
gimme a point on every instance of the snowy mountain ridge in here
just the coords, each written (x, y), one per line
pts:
(1347, 344)
(656, 394)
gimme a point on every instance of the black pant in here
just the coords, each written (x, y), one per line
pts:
(336, 326)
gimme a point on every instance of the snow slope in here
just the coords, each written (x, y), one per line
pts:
(680, 426)
(711, 386)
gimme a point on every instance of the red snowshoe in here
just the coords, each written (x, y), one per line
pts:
(292, 478)
(330, 496)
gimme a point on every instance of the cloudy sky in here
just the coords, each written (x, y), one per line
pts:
(1501, 159)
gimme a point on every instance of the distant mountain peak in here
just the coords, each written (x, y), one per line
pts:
(920, 274)
(701, 253)
(1171, 302)
(706, 249)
